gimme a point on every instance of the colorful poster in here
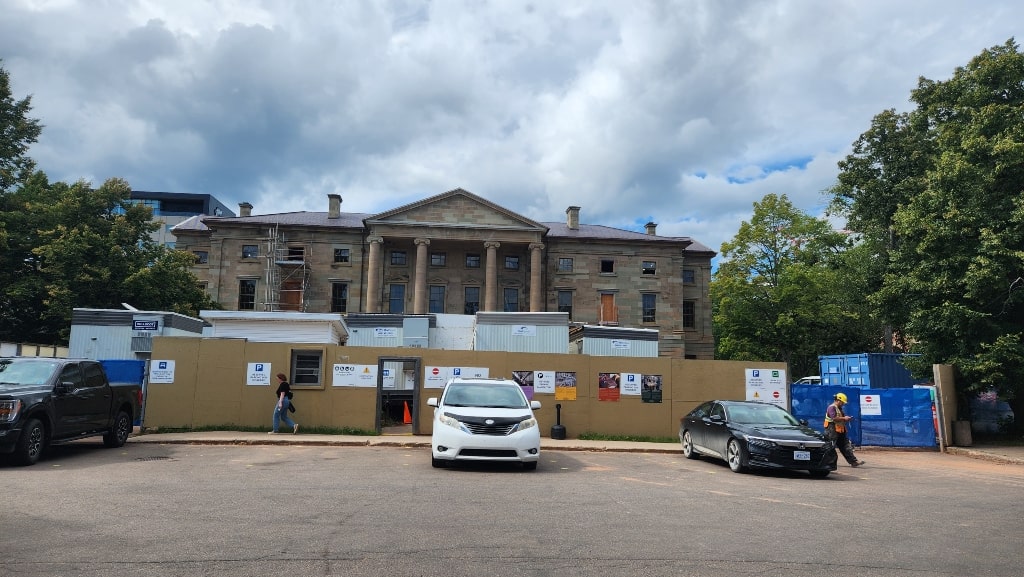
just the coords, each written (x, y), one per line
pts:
(608, 386)
(651, 389)
(354, 376)
(525, 380)
(630, 383)
(565, 386)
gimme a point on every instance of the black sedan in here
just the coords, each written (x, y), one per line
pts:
(748, 434)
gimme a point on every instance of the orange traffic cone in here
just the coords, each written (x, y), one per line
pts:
(407, 417)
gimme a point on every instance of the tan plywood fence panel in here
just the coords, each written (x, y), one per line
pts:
(210, 386)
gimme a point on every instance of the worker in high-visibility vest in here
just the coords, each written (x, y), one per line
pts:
(835, 429)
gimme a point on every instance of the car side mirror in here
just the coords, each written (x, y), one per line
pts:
(64, 388)
(432, 402)
(716, 419)
(535, 404)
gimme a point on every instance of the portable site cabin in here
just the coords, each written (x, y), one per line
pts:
(605, 341)
(276, 327)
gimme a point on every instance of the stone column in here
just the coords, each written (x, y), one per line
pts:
(536, 288)
(491, 276)
(373, 274)
(419, 290)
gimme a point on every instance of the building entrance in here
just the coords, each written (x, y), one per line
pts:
(399, 382)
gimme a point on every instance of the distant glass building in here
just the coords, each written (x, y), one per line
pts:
(172, 208)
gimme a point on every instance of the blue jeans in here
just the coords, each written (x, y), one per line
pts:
(281, 414)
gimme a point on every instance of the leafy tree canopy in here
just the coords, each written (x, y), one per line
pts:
(945, 183)
(783, 293)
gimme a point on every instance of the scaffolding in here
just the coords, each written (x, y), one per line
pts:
(287, 274)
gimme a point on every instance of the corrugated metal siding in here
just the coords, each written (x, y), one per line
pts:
(537, 319)
(90, 341)
(875, 370)
(620, 333)
(367, 337)
(601, 347)
(502, 337)
(276, 331)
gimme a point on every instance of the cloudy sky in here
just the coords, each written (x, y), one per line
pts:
(684, 113)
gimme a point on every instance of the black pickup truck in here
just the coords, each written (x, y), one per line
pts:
(48, 400)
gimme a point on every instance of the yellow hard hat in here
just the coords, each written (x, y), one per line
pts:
(841, 397)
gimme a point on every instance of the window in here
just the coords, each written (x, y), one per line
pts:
(472, 260)
(396, 298)
(649, 267)
(72, 374)
(297, 253)
(565, 265)
(342, 255)
(438, 258)
(306, 368)
(607, 266)
(247, 294)
(339, 297)
(511, 300)
(437, 299)
(511, 263)
(94, 375)
(399, 258)
(565, 302)
(202, 257)
(649, 302)
(689, 276)
(689, 314)
(250, 251)
(472, 300)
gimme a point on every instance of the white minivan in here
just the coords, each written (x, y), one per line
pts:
(811, 380)
(483, 419)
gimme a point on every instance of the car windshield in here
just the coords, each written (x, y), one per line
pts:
(755, 414)
(485, 396)
(15, 372)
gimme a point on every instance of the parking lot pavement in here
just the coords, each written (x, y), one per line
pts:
(1001, 453)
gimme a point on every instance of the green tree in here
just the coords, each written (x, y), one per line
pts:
(884, 172)
(17, 133)
(937, 195)
(80, 247)
(782, 292)
(959, 264)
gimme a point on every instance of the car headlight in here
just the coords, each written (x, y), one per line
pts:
(452, 422)
(759, 442)
(9, 411)
(528, 424)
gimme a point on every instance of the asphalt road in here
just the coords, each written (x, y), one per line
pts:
(158, 510)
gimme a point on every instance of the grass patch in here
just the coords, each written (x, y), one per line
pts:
(627, 438)
(264, 429)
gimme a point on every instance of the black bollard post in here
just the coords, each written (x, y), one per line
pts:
(557, 430)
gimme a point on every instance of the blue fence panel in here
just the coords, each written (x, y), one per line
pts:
(127, 371)
(907, 416)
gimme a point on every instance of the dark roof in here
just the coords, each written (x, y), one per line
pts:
(354, 221)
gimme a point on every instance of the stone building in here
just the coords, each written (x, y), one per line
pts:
(456, 253)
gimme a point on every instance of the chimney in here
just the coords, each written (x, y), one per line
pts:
(573, 220)
(651, 228)
(334, 204)
(244, 209)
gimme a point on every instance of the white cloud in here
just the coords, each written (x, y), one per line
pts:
(685, 113)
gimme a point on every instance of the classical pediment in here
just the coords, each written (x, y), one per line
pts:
(455, 209)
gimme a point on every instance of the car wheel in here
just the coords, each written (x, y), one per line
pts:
(530, 466)
(31, 443)
(819, 474)
(688, 451)
(737, 456)
(117, 436)
(438, 463)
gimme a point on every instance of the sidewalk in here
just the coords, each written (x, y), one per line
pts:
(1002, 454)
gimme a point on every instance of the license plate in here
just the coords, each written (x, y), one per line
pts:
(801, 455)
